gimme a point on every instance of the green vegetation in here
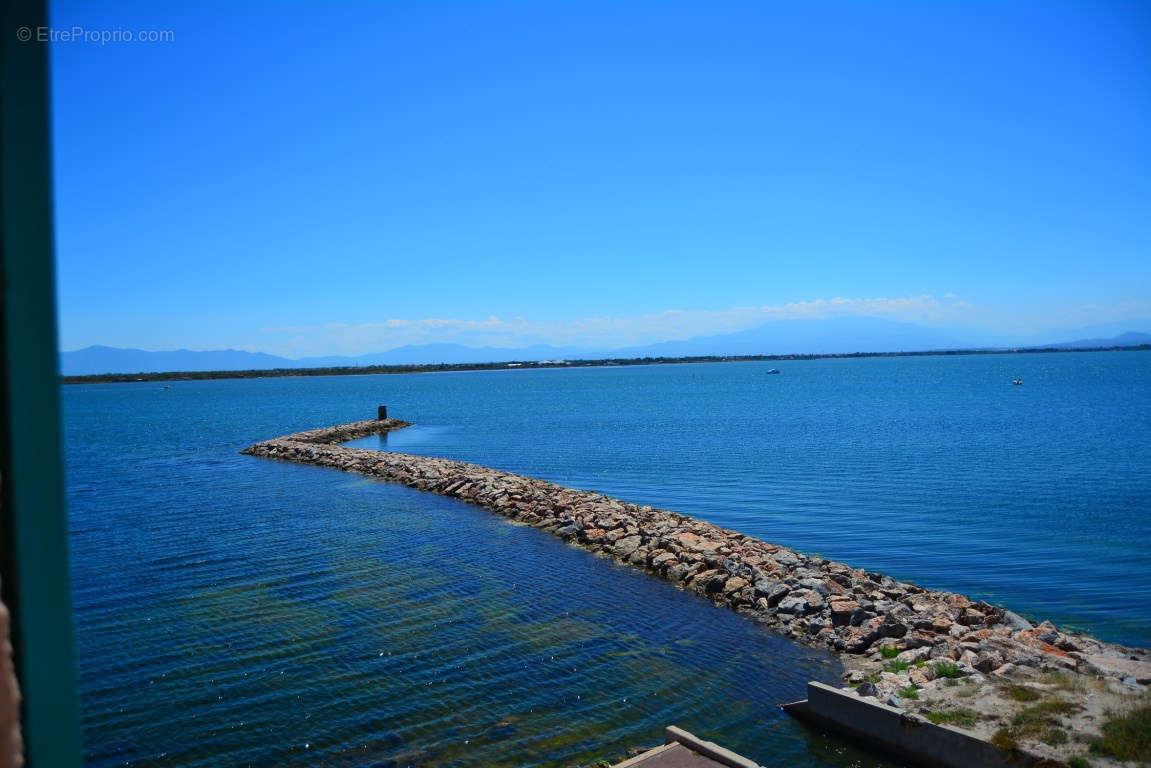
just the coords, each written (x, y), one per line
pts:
(1004, 740)
(910, 692)
(1078, 762)
(1044, 714)
(889, 651)
(898, 666)
(946, 669)
(1126, 736)
(1021, 693)
(1040, 721)
(964, 718)
(1067, 682)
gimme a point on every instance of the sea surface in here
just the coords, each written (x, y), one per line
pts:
(239, 611)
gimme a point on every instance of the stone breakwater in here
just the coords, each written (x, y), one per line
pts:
(818, 601)
(906, 645)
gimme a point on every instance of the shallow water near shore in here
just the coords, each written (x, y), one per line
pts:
(234, 610)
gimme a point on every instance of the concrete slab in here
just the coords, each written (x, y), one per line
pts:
(685, 750)
(670, 756)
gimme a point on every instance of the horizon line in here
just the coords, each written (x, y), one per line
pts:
(513, 364)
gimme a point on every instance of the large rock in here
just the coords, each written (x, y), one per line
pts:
(912, 655)
(970, 617)
(919, 639)
(921, 676)
(569, 531)
(1119, 667)
(695, 543)
(784, 557)
(801, 603)
(734, 584)
(815, 585)
(893, 627)
(625, 546)
(859, 639)
(777, 593)
(947, 650)
(764, 585)
(708, 582)
(738, 568)
(593, 535)
(842, 611)
(988, 661)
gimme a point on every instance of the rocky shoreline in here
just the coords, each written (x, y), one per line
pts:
(893, 636)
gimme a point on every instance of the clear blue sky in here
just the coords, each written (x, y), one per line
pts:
(310, 178)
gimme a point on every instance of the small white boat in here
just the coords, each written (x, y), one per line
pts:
(1018, 382)
(774, 370)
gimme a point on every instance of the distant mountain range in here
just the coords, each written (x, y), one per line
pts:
(99, 359)
(784, 337)
(1129, 339)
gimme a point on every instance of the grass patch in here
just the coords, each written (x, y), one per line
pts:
(1004, 740)
(1039, 721)
(1078, 762)
(910, 692)
(1021, 693)
(946, 669)
(1040, 717)
(1043, 712)
(965, 691)
(1066, 682)
(1126, 736)
(889, 651)
(964, 718)
(898, 666)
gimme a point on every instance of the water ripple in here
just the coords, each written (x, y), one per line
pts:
(244, 612)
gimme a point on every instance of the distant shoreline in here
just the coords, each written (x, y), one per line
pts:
(106, 378)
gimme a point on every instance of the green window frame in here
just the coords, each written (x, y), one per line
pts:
(36, 580)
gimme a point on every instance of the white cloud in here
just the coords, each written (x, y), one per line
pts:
(603, 331)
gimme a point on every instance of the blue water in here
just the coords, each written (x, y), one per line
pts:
(233, 610)
(240, 611)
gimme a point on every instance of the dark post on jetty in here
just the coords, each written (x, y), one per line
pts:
(382, 412)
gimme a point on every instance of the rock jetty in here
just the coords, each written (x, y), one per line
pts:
(869, 619)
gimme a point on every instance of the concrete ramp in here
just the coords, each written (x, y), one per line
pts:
(906, 735)
(684, 750)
